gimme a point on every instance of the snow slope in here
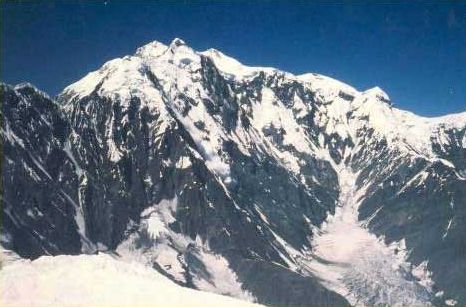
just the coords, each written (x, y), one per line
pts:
(177, 69)
(97, 280)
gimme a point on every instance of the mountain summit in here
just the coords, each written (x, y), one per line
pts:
(245, 181)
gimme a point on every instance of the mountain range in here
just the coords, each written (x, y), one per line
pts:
(251, 182)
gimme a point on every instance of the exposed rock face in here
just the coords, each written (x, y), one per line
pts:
(39, 201)
(221, 176)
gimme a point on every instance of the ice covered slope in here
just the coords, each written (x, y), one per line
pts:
(159, 74)
(217, 99)
(97, 280)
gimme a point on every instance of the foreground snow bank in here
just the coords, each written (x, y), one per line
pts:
(97, 280)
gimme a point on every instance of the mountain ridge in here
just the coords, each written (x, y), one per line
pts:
(211, 171)
(330, 86)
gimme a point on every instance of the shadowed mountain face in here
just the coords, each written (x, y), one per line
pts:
(246, 181)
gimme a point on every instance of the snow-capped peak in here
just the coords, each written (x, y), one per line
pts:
(27, 85)
(177, 66)
(152, 49)
(177, 42)
(24, 85)
(155, 48)
(327, 86)
(378, 94)
(232, 67)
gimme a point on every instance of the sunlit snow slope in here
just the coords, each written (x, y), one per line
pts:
(97, 280)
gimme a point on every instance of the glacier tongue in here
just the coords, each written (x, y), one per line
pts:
(356, 264)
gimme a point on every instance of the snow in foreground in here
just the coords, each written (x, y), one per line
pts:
(97, 280)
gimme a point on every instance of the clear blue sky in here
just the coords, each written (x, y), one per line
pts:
(415, 51)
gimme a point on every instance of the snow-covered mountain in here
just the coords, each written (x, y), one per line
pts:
(244, 181)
